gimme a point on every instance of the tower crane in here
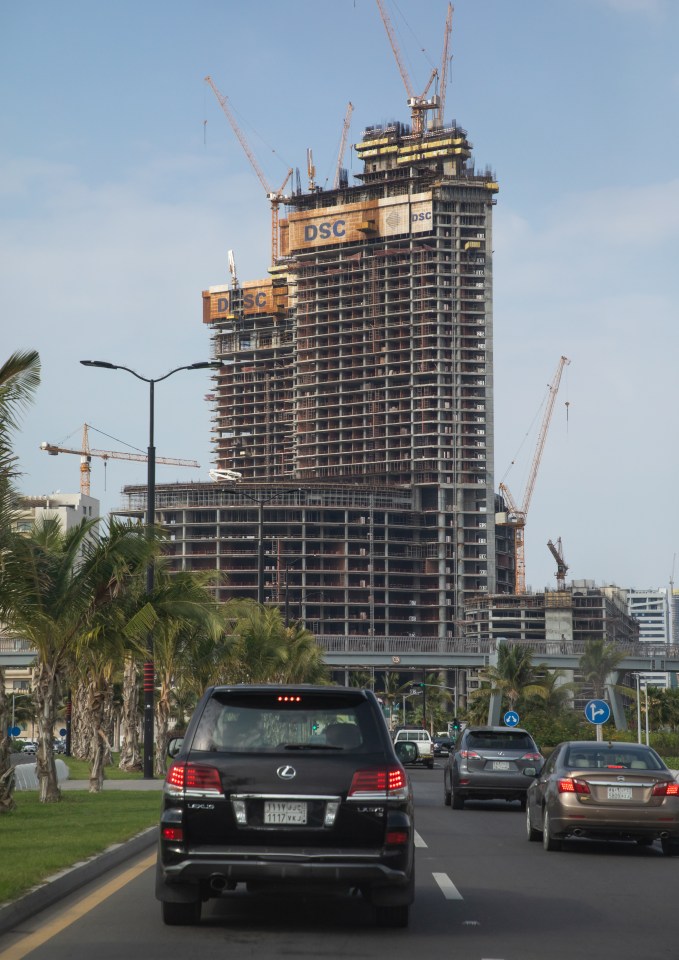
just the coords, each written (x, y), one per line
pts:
(86, 454)
(418, 104)
(561, 565)
(444, 64)
(516, 516)
(343, 145)
(275, 197)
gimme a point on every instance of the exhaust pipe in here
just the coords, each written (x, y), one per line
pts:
(217, 882)
(665, 835)
(577, 832)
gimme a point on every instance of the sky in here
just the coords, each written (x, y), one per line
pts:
(123, 187)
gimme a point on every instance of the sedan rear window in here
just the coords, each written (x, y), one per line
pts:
(584, 758)
(500, 741)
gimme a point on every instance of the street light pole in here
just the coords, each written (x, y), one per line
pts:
(149, 667)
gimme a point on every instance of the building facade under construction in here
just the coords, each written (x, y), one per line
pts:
(353, 413)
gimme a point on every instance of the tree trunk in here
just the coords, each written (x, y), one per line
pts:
(130, 755)
(6, 769)
(162, 727)
(46, 699)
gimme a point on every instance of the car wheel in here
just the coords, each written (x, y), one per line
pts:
(446, 793)
(548, 841)
(523, 803)
(531, 832)
(394, 915)
(430, 764)
(181, 914)
(456, 801)
(670, 846)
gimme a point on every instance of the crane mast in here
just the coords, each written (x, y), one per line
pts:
(516, 516)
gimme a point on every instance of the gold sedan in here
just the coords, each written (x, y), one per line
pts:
(603, 790)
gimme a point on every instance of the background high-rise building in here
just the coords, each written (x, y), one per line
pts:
(355, 401)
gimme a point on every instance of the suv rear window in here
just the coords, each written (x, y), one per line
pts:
(499, 741)
(263, 723)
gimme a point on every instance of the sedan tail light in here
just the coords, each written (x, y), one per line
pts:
(193, 777)
(388, 782)
(571, 785)
(532, 756)
(667, 789)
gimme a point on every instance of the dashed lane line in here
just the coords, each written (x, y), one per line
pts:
(447, 887)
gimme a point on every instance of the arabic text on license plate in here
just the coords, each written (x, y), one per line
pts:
(619, 793)
(500, 765)
(283, 811)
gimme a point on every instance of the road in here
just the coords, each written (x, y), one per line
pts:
(483, 893)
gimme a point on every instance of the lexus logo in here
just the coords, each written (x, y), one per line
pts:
(287, 772)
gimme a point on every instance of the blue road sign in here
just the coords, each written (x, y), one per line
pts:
(597, 711)
(14, 731)
(511, 718)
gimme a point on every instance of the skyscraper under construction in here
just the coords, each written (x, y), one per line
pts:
(353, 413)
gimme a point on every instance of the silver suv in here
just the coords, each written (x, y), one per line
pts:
(487, 763)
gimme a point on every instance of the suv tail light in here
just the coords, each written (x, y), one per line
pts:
(470, 755)
(388, 782)
(571, 785)
(667, 789)
(193, 778)
(532, 756)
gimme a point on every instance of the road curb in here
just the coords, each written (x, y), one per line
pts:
(62, 884)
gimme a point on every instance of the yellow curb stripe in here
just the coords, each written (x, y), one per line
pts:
(27, 944)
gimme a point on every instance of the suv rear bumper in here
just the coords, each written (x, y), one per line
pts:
(217, 871)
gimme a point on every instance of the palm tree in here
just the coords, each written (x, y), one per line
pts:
(514, 675)
(598, 661)
(58, 586)
(19, 379)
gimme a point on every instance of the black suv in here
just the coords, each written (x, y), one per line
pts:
(286, 789)
(487, 763)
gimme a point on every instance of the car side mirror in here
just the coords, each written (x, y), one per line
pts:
(406, 751)
(174, 747)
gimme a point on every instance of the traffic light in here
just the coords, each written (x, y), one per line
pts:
(456, 724)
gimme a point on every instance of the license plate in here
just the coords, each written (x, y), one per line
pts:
(500, 765)
(619, 793)
(282, 811)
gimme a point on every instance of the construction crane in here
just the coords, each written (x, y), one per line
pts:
(86, 454)
(561, 565)
(418, 104)
(443, 79)
(343, 145)
(516, 516)
(275, 197)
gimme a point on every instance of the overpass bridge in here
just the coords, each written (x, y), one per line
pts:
(431, 653)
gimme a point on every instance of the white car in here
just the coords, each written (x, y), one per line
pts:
(30, 746)
(422, 740)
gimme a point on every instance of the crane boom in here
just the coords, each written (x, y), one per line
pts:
(417, 104)
(444, 65)
(561, 565)
(516, 516)
(275, 197)
(86, 454)
(343, 144)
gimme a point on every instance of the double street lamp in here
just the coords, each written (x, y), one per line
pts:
(149, 671)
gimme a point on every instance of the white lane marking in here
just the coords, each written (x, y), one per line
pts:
(448, 888)
(419, 842)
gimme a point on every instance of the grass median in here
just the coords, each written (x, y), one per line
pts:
(38, 840)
